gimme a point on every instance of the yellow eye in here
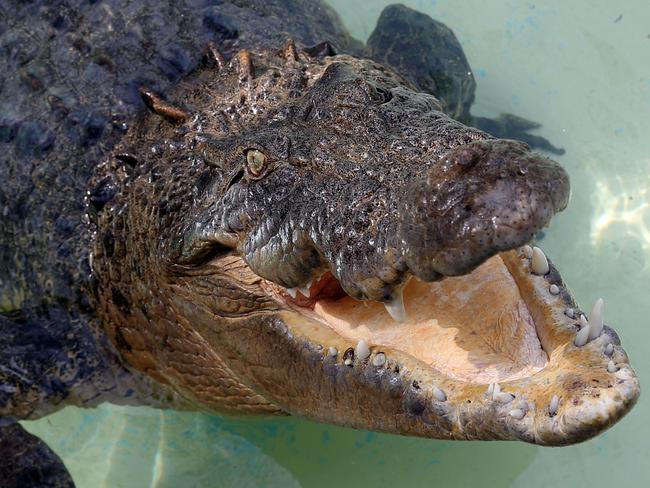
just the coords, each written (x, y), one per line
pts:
(255, 162)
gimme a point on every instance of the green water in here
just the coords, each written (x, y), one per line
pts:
(585, 74)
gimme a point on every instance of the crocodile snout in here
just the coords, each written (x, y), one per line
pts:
(483, 197)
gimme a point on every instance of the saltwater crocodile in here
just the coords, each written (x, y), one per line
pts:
(285, 230)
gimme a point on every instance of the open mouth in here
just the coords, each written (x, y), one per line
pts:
(451, 325)
(504, 346)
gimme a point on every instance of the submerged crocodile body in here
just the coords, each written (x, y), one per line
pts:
(286, 230)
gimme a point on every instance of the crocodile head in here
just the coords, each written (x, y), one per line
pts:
(310, 235)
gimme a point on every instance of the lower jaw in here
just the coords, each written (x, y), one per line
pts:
(529, 381)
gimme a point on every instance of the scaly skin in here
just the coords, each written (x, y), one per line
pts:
(158, 277)
(69, 89)
(28, 461)
(263, 173)
(70, 79)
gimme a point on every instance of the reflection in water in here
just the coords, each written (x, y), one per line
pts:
(140, 447)
(145, 447)
(157, 468)
(621, 207)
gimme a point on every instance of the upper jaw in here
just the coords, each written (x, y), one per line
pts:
(480, 198)
(581, 391)
(483, 197)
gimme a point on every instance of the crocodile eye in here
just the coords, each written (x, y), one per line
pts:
(255, 162)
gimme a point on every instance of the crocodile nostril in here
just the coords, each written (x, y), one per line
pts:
(466, 158)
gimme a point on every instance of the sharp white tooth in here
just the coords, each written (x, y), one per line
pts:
(517, 413)
(379, 360)
(555, 403)
(395, 307)
(582, 337)
(293, 292)
(362, 351)
(496, 390)
(539, 263)
(609, 349)
(569, 312)
(596, 319)
(504, 397)
(611, 367)
(528, 251)
(554, 289)
(305, 289)
(440, 395)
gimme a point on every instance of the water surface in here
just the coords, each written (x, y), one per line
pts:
(581, 68)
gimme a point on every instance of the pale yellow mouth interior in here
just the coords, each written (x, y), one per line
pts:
(474, 328)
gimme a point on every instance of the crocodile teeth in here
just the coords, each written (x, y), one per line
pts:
(517, 413)
(305, 289)
(582, 337)
(596, 319)
(293, 292)
(362, 351)
(555, 403)
(395, 307)
(539, 263)
(504, 397)
(439, 395)
(379, 359)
